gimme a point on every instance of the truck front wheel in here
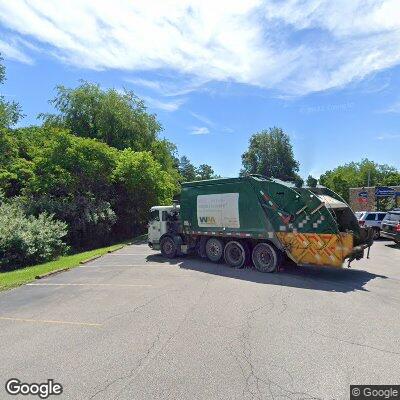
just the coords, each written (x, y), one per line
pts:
(168, 247)
(214, 249)
(265, 258)
(235, 254)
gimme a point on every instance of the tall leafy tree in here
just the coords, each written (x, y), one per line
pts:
(270, 153)
(205, 171)
(69, 177)
(165, 152)
(311, 181)
(15, 169)
(140, 183)
(119, 119)
(359, 174)
(187, 170)
(10, 111)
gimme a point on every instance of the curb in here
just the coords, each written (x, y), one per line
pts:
(90, 259)
(51, 273)
(138, 240)
(118, 248)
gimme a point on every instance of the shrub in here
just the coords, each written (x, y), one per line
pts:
(27, 240)
(88, 218)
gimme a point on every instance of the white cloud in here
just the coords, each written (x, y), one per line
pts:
(169, 85)
(294, 47)
(199, 130)
(210, 123)
(394, 108)
(170, 106)
(388, 136)
(146, 83)
(202, 119)
(12, 52)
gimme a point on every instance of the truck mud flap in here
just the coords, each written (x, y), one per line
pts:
(201, 249)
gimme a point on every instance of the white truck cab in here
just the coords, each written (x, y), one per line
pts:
(158, 223)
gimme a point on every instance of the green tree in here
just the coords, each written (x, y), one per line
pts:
(187, 170)
(297, 180)
(71, 178)
(10, 111)
(359, 174)
(15, 170)
(270, 153)
(204, 171)
(118, 119)
(165, 153)
(140, 183)
(100, 192)
(311, 181)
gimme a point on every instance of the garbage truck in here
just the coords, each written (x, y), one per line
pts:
(258, 221)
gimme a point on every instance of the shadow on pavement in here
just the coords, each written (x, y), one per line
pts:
(393, 246)
(317, 278)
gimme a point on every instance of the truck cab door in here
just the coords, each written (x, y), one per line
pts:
(154, 232)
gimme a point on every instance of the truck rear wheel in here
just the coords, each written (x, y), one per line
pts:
(265, 258)
(214, 249)
(168, 247)
(235, 254)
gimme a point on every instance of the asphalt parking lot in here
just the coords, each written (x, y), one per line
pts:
(133, 325)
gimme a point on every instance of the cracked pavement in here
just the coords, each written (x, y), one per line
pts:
(132, 325)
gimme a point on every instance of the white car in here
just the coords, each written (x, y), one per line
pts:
(372, 219)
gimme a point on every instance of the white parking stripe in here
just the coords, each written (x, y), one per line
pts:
(44, 321)
(131, 254)
(125, 265)
(85, 284)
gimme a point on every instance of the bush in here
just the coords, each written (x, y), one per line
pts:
(27, 240)
(89, 219)
(101, 193)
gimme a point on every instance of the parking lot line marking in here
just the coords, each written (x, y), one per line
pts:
(44, 321)
(125, 265)
(131, 254)
(85, 284)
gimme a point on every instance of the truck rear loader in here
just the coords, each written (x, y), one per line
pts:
(259, 221)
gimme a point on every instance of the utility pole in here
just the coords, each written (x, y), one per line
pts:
(369, 178)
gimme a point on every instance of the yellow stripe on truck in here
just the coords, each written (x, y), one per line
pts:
(317, 249)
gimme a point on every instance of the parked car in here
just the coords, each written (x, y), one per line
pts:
(372, 219)
(391, 226)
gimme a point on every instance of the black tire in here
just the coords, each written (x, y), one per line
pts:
(266, 258)
(168, 247)
(235, 254)
(214, 249)
(377, 233)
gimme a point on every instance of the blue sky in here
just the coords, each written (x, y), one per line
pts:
(327, 72)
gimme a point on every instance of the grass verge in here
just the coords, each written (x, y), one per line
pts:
(18, 277)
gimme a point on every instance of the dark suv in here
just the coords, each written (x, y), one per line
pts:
(390, 227)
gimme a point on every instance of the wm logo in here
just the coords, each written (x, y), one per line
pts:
(207, 220)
